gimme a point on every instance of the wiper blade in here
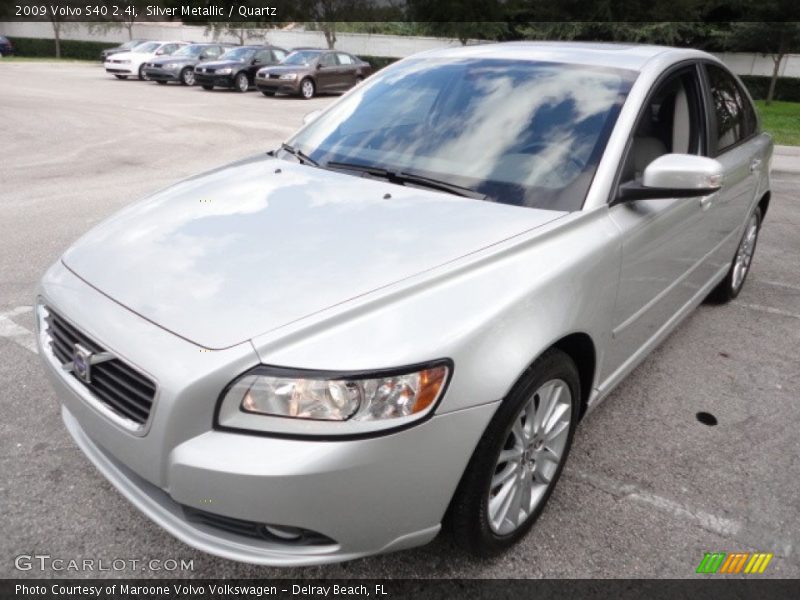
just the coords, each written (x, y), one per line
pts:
(404, 177)
(438, 184)
(299, 154)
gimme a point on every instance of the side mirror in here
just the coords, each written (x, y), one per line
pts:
(675, 176)
(312, 116)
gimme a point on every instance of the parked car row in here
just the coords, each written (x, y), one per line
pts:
(304, 71)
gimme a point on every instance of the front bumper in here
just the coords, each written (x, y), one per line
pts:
(367, 496)
(120, 69)
(225, 81)
(287, 86)
(159, 74)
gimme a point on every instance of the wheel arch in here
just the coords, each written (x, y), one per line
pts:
(763, 204)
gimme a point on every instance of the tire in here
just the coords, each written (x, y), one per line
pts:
(240, 83)
(207, 87)
(268, 94)
(142, 75)
(159, 82)
(187, 76)
(733, 283)
(307, 89)
(120, 76)
(475, 516)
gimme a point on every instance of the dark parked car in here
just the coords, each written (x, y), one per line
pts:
(180, 66)
(237, 67)
(312, 71)
(6, 47)
(126, 47)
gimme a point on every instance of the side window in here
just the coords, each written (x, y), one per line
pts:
(213, 51)
(734, 115)
(345, 59)
(328, 60)
(671, 123)
(278, 55)
(263, 56)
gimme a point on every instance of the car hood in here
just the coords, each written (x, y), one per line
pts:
(184, 60)
(239, 251)
(286, 69)
(221, 64)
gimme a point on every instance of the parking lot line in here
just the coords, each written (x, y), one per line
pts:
(17, 333)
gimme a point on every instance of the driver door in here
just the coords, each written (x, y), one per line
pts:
(664, 241)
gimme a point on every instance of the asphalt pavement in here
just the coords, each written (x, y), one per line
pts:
(648, 488)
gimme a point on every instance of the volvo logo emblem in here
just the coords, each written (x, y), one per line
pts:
(82, 361)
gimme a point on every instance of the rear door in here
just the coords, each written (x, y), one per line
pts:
(328, 73)
(664, 245)
(348, 68)
(744, 154)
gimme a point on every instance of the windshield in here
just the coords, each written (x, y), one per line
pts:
(240, 54)
(518, 132)
(191, 50)
(301, 57)
(147, 47)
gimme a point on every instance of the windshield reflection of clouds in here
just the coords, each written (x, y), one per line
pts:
(521, 132)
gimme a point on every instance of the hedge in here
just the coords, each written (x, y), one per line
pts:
(786, 88)
(69, 48)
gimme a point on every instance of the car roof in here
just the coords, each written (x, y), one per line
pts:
(616, 55)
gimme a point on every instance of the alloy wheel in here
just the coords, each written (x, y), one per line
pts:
(530, 457)
(744, 255)
(307, 89)
(241, 82)
(188, 77)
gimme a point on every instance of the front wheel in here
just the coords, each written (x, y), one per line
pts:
(240, 83)
(733, 283)
(142, 74)
(307, 89)
(187, 76)
(519, 458)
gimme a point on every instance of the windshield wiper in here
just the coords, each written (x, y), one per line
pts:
(300, 155)
(405, 177)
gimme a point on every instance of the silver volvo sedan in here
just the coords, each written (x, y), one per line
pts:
(398, 318)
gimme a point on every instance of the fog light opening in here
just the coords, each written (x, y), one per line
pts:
(285, 533)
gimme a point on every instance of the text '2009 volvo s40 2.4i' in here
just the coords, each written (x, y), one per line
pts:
(402, 313)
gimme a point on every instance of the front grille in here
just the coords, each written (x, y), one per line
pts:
(116, 384)
(292, 536)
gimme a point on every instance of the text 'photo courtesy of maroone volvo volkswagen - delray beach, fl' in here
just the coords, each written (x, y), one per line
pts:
(397, 319)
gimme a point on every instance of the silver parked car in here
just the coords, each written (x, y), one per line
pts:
(403, 313)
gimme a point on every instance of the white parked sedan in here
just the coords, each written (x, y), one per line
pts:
(318, 353)
(127, 64)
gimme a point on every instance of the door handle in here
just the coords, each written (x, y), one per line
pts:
(755, 164)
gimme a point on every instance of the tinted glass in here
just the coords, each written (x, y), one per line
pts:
(520, 132)
(731, 108)
(279, 55)
(147, 47)
(328, 60)
(192, 50)
(344, 59)
(264, 56)
(301, 57)
(241, 54)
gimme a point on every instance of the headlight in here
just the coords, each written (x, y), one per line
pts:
(170, 66)
(331, 403)
(289, 76)
(225, 71)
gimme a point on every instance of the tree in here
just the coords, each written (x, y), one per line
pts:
(242, 31)
(476, 19)
(773, 38)
(58, 26)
